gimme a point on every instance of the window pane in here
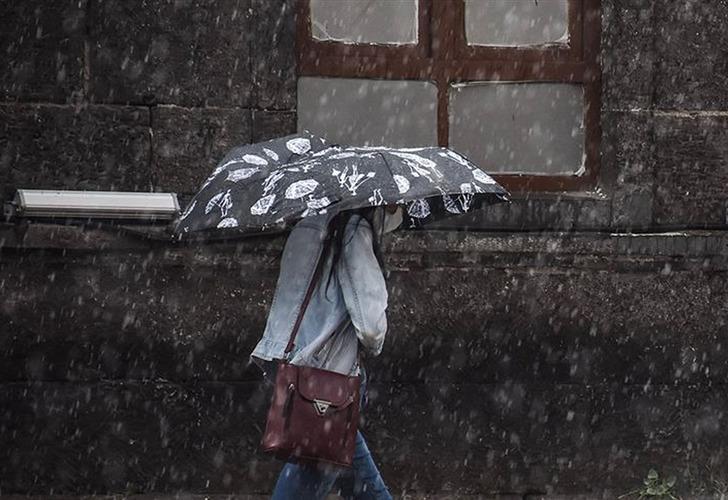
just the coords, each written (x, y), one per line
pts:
(365, 21)
(534, 128)
(516, 22)
(361, 112)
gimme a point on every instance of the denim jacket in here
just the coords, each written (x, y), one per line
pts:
(344, 312)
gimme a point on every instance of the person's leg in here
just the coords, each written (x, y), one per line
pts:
(298, 481)
(368, 482)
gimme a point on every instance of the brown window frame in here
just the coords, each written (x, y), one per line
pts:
(441, 55)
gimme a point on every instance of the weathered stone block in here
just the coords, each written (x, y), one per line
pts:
(188, 143)
(133, 436)
(525, 438)
(535, 212)
(274, 57)
(95, 148)
(178, 52)
(627, 54)
(692, 45)
(271, 124)
(477, 438)
(437, 437)
(691, 169)
(531, 309)
(566, 326)
(628, 151)
(41, 49)
(120, 318)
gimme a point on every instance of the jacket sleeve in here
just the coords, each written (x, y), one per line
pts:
(363, 286)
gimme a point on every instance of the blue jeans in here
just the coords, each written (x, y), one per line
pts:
(311, 482)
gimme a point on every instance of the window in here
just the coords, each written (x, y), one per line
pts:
(513, 84)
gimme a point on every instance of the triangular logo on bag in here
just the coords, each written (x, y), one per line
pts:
(321, 406)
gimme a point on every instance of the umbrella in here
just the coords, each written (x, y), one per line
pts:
(270, 185)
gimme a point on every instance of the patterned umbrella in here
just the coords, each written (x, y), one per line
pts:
(269, 185)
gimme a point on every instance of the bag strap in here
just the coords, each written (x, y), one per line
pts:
(307, 298)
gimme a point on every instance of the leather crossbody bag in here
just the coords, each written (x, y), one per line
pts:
(314, 413)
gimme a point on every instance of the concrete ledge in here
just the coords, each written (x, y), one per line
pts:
(688, 243)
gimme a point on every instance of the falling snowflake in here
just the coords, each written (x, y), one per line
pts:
(228, 222)
(263, 205)
(299, 145)
(299, 189)
(241, 173)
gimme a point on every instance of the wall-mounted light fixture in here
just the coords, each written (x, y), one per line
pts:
(40, 203)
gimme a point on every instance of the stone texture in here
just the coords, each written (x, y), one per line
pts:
(529, 308)
(692, 44)
(190, 53)
(469, 439)
(536, 211)
(628, 145)
(94, 147)
(567, 327)
(143, 496)
(188, 143)
(130, 318)
(41, 50)
(691, 169)
(274, 57)
(627, 54)
(514, 364)
(133, 437)
(271, 124)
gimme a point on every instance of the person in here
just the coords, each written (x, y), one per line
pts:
(345, 321)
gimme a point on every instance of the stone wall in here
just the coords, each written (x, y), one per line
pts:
(138, 96)
(523, 361)
(568, 363)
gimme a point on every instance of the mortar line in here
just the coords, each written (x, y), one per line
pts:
(652, 134)
(87, 54)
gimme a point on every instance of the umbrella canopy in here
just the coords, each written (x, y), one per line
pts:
(270, 185)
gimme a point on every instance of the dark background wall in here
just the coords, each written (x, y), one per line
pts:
(527, 360)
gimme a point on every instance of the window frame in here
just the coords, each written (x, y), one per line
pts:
(441, 55)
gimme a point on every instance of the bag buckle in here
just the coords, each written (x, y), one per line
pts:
(321, 406)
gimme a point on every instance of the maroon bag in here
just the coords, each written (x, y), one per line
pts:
(314, 413)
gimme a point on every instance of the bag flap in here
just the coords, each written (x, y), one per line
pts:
(335, 388)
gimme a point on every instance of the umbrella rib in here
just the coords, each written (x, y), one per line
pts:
(386, 163)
